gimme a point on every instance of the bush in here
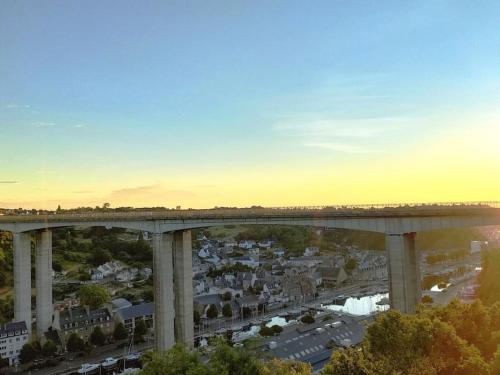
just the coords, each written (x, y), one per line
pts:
(265, 331)
(120, 332)
(49, 349)
(277, 329)
(97, 337)
(75, 343)
(307, 319)
(212, 312)
(427, 299)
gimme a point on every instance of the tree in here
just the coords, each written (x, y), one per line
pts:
(277, 329)
(212, 312)
(349, 362)
(227, 310)
(227, 296)
(97, 337)
(233, 361)
(196, 317)
(49, 349)
(120, 332)
(308, 319)
(265, 331)
(100, 256)
(351, 264)
(281, 367)
(140, 328)
(176, 361)
(427, 300)
(28, 353)
(75, 343)
(93, 296)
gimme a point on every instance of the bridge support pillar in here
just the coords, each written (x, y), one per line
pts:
(404, 272)
(22, 278)
(163, 291)
(183, 286)
(44, 307)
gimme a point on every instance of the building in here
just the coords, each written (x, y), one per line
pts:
(311, 251)
(82, 321)
(332, 276)
(130, 315)
(12, 338)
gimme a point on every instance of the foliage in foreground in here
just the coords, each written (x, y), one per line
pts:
(224, 360)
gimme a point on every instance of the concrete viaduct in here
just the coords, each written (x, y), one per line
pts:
(172, 255)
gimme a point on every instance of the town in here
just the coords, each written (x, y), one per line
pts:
(279, 283)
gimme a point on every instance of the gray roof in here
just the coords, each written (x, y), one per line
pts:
(12, 327)
(120, 303)
(81, 315)
(209, 299)
(137, 311)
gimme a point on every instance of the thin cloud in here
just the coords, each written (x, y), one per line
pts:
(79, 126)
(43, 124)
(9, 182)
(82, 192)
(342, 148)
(16, 106)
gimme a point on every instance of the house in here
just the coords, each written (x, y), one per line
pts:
(311, 251)
(248, 244)
(146, 273)
(245, 260)
(12, 338)
(130, 315)
(82, 321)
(110, 268)
(279, 252)
(202, 303)
(96, 275)
(246, 279)
(332, 276)
(126, 275)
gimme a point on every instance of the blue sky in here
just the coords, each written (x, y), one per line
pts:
(101, 96)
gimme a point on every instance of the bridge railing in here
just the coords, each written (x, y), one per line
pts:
(214, 213)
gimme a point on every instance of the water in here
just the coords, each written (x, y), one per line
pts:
(361, 306)
(279, 321)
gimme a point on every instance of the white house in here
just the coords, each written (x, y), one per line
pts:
(12, 338)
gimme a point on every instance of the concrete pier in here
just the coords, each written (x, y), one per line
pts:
(163, 290)
(44, 306)
(22, 278)
(183, 287)
(404, 272)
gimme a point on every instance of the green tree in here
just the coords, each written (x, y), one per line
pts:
(120, 332)
(281, 367)
(427, 300)
(28, 353)
(196, 317)
(212, 312)
(349, 362)
(93, 296)
(265, 331)
(227, 296)
(277, 329)
(140, 328)
(49, 349)
(351, 264)
(308, 319)
(227, 310)
(100, 256)
(176, 361)
(233, 361)
(75, 343)
(97, 337)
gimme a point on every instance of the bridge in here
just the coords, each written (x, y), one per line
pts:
(172, 249)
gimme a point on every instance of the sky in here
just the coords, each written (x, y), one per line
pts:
(240, 103)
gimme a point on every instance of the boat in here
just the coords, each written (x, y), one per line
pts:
(89, 369)
(109, 364)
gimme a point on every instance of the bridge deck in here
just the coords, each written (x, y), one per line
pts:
(487, 208)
